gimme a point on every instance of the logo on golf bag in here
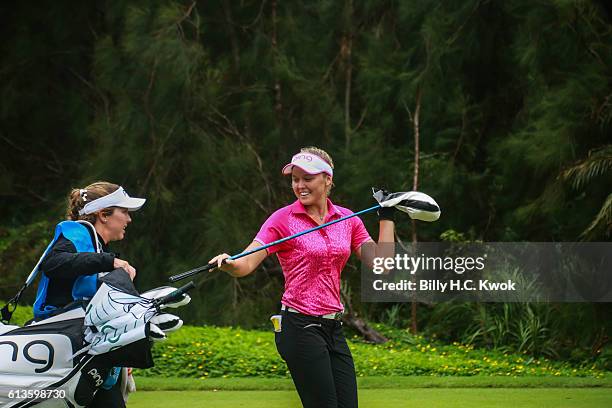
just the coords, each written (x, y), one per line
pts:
(96, 377)
(46, 363)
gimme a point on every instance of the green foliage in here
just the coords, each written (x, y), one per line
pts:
(208, 352)
(21, 247)
(596, 165)
(217, 352)
(196, 106)
(535, 329)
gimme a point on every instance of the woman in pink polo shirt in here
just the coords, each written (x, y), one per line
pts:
(311, 339)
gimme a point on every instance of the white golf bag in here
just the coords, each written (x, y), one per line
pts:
(62, 361)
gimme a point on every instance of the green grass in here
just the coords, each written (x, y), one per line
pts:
(283, 384)
(425, 391)
(21, 315)
(378, 398)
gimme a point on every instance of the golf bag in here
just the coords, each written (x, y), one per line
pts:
(63, 360)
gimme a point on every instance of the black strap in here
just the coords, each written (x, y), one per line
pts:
(6, 311)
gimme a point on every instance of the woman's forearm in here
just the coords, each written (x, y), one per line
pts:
(242, 266)
(384, 248)
(386, 238)
(237, 268)
(64, 262)
(386, 231)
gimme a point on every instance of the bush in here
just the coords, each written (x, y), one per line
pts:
(202, 352)
(217, 352)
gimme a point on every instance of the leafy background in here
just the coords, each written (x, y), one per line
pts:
(197, 105)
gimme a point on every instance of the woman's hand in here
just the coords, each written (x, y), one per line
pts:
(120, 263)
(242, 266)
(224, 263)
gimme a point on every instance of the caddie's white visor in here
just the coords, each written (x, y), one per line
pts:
(310, 163)
(118, 198)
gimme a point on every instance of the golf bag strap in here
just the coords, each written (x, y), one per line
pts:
(7, 311)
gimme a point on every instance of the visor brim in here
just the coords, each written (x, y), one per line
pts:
(310, 170)
(131, 203)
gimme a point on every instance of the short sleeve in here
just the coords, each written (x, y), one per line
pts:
(270, 231)
(360, 234)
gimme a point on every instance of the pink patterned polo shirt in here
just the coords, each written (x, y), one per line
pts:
(312, 263)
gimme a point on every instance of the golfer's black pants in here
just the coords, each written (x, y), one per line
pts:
(319, 360)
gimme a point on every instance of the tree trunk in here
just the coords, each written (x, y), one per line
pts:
(352, 320)
(360, 325)
(227, 10)
(278, 107)
(415, 186)
(346, 52)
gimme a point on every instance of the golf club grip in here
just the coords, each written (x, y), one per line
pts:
(172, 296)
(185, 275)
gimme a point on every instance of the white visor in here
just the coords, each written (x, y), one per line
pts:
(310, 163)
(118, 198)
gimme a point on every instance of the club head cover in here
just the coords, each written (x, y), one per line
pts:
(167, 322)
(163, 291)
(185, 299)
(155, 333)
(418, 206)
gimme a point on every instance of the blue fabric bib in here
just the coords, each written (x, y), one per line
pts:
(85, 286)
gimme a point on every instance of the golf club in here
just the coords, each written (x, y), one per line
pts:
(416, 204)
(208, 267)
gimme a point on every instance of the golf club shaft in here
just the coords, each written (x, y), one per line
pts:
(208, 267)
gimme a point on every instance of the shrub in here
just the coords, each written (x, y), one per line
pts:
(202, 352)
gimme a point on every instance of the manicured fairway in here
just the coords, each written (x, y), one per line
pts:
(396, 382)
(379, 398)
